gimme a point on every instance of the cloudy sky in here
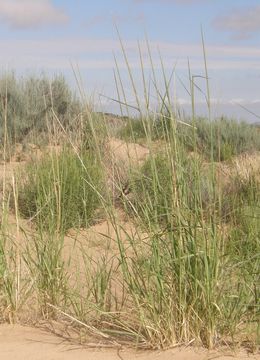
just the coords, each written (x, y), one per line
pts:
(53, 35)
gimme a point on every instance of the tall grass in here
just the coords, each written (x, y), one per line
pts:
(185, 286)
(47, 270)
(189, 271)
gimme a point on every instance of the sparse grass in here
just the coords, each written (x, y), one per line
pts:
(8, 283)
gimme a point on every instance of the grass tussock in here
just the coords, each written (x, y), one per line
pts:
(61, 190)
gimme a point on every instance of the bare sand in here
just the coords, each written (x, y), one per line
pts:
(27, 343)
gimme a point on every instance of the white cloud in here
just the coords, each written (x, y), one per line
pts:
(25, 14)
(97, 54)
(183, 101)
(241, 22)
(238, 101)
(243, 101)
(255, 101)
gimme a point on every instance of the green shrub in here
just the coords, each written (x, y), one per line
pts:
(136, 129)
(133, 130)
(222, 138)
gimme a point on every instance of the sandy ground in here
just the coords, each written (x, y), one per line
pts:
(127, 152)
(25, 343)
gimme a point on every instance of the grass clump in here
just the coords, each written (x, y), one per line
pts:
(48, 271)
(185, 284)
(61, 190)
(151, 190)
(163, 182)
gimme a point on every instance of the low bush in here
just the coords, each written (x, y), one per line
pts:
(220, 139)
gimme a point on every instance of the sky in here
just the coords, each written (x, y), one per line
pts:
(64, 36)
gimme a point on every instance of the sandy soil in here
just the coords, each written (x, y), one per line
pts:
(7, 171)
(25, 343)
(121, 151)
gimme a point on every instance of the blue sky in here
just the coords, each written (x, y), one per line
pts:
(47, 35)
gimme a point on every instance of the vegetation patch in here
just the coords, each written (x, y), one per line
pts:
(218, 140)
(61, 191)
